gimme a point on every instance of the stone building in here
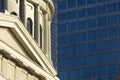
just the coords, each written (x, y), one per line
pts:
(25, 40)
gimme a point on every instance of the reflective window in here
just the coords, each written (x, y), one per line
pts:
(63, 63)
(102, 33)
(91, 23)
(101, 9)
(83, 72)
(102, 21)
(62, 39)
(72, 50)
(72, 26)
(103, 45)
(93, 59)
(114, 69)
(91, 11)
(72, 38)
(81, 2)
(73, 62)
(104, 70)
(112, 19)
(91, 2)
(112, 7)
(83, 60)
(114, 43)
(71, 14)
(113, 32)
(104, 58)
(73, 74)
(62, 51)
(92, 35)
(71, 3)
(82, 36)
(81, 25)
(81, 13)
(62, 28)
(114, 56)
(62, 16)
(119, 18)
(101, 1)
(92, 47)
(62, 5)
(82, 48)
(119, 6)
(94, 71)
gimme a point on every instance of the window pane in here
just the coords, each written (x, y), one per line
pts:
(83, 72)
(113, 32)
(81, 25)
(101, 9)
(92, 47)
(114, 43)
(62, 39)
(119, 6)
(61, 5)
(62, 28)
(83, 60)
(71, 14)
(72, 38)
(93, 59)
(102, 21)
(82, 48)
(91, 11)
(102, 34)
(81, 2)
(72, 26)
(62, 51)
(91, 23)
(91, 2)
(71, 3)
(104, 58)
(62, 16)
(115, 69)
(94, 71)
(104, 70)
(112, 19)
(29, 25)
(74, 74)
(114, 56)
(112, 8)
(101, 1)
(92, 35)
(81, 13)
(72, 50)
(103, 45)
(82, 36)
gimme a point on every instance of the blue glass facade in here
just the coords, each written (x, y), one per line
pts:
(88, 39)
(54, 37)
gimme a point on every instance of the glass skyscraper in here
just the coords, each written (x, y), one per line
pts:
(54, 37)
(88, 39)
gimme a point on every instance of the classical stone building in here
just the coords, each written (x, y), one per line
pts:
(25, 40)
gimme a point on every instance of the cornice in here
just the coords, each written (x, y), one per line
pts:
(47, 2)
(51, 7)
